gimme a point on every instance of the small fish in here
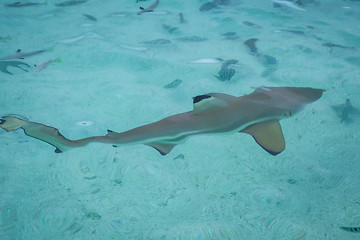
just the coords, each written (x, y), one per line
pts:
(87, 35)
(70, 3)
(191, 39)
(140, 1)
(171, 29)
(134, 48)
(149, 9)
(180, 156)
(230, 36)
(250, 43)
(331, 45)
(20, 4)
(181, 18)
(173, 84)
(253, 25)
(268, 59)
(344, 111)
(229, 62)
(289, 4)
(351, 229)
(17, 64)
(291, 31)
(207, 60)
(157, 41)
(45, 64)
(91, 18)
(8, 37)
(21, 55)
(208, 6)
(225, 74)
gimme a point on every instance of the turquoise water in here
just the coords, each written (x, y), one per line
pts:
(112, 76)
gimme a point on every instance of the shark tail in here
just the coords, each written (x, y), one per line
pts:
(42, 132)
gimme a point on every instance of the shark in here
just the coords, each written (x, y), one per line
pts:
(148, 9)
(257, 114)
(21, 55)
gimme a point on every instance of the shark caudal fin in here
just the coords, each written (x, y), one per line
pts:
(268, 135)
(39, 131)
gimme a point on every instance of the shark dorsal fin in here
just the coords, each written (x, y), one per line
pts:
(268, 135)
(211, 100)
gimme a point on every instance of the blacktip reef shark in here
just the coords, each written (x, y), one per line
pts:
(21, 55)
(149, 9)
(257, 114)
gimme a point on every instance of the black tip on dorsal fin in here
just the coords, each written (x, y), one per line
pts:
(18, 51)
(141, 8)
(200, 98)
(58, 150)
(114, 146)
(110, 131)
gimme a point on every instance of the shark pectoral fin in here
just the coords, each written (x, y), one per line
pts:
(162, 148)
(208, 101)
(268, 135)
(39, 131)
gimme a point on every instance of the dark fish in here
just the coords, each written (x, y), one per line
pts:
(293, 31)
(70, 3)
(191, 39)
(250, 43)
(5, 64)
(230, 36)
(222, 2)
(225, 74)
(269, 59)
(253, 25)
(351, 229)
(171, 29)
(140, 1)
(208, 6)
(149, 9)
(91, 18)
(173, 84)
(229, 62)
(157, 41)
(331, 45)
(181, 18)
(28, 4)
(344, 111)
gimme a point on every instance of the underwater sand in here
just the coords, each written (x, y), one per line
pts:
(211, 186)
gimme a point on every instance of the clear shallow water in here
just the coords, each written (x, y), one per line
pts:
(221, 187)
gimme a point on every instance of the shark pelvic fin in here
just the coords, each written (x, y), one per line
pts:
(111, 133)
(268, 135)
(162, 148)
(211, 100)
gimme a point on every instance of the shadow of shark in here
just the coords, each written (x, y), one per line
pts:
(257, 114)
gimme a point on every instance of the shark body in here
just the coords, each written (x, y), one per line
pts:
(257, 114)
